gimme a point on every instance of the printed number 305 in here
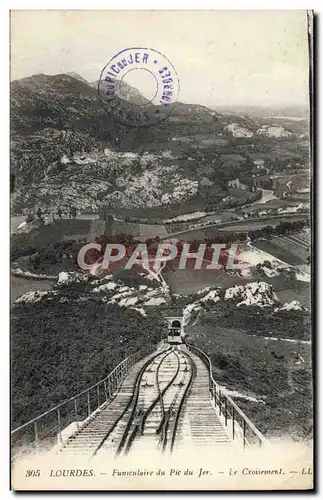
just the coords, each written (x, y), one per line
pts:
(32, 473)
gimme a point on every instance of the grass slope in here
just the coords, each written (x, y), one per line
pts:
(277, 373)
(59, 349)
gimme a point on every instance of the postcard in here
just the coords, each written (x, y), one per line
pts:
(161, 250)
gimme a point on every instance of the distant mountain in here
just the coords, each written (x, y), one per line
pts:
(296, 111)
(55, 101)
(67, 148)
(126, 92)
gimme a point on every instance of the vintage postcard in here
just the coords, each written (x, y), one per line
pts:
(161, 316)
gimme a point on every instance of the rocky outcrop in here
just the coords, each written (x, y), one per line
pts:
(255, 294)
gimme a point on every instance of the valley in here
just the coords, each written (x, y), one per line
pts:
(204, 175)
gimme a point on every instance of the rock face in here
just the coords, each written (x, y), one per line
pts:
(258, 293)
(109, 290)
(274, 131)
(66, 148)
(64, 151)
(238, 130)
(255, 294)
(35, 296)
(291, 306)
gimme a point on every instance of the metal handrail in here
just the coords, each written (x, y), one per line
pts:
(55, 408)
(48, 427)
(221, 392)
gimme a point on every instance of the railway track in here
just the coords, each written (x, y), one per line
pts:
(166, 402)
(150, 419)
(163, 405)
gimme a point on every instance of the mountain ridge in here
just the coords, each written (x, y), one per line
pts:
(66, 146)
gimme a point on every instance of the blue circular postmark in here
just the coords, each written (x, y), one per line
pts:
(131, 108)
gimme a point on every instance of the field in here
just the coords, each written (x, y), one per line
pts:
(19, 286)
(299, 198)
(248, 225)
(83, 229)
(163, 212)
(221, 216)
(276, 373)
(189, 281)
(293, 249)
(143, 231)
(300, 291)
(200, 139)
(291, 183)
(258, 224)
(273, 204)
(238, 226)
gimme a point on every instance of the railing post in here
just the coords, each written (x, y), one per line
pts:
(77, 405)
(225, 412)
(76, 413)
(59, 425)
(98, 394)
(36, 437)
(246, 426)
(244, 433)
(88, 404)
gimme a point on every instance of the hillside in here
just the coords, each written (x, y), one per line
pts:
(261, 354)
(259, 346)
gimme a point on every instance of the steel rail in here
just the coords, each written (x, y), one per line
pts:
(134, 401)
(139, 376)
(166, 421)
(161, 427)
(182, 401)
(135, 429)
(161, 393)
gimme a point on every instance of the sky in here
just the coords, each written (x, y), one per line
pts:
(223, 58)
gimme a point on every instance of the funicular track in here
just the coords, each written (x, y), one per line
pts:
(150, 419)
(163, 402)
